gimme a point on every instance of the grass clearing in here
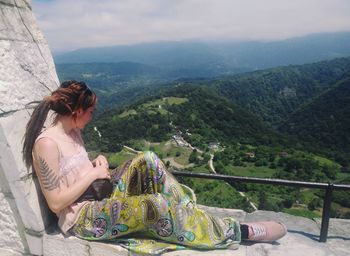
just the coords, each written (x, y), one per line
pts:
(202, 169)
(164, 101)
(251, 171)
(308, 195)
(166, 149)
(342, 176)
(326, 161)
(128, 113)
(155, 106)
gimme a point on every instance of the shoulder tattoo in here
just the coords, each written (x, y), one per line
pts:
(49, 178)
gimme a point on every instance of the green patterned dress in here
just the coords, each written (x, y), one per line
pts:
(150, 213)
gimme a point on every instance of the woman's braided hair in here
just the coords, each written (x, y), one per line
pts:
(65, 101)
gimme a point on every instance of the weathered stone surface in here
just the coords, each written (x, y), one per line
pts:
(57, 245)
(10, 242)
(26, 61)
(27, 73)
(238, 214)
(207, 253)
(23, 79)
(338, 227)
(30, 216)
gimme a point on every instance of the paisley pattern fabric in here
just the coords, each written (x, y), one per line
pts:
(149, 212)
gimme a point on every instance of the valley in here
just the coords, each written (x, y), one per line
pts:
(287, 122)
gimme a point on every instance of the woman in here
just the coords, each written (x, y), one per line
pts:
(146, 203)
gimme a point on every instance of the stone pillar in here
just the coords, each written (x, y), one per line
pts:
(27, 73)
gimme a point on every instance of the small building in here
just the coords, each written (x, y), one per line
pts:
(250, 154)
(180, 140)
(284, 154)
(214, 145)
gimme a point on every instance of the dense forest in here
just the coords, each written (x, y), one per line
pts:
(274, 94)
(324, 124)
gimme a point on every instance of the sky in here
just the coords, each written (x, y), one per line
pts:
(72, 24)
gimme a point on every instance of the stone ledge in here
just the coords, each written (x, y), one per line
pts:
(302, 239)
(58, 245)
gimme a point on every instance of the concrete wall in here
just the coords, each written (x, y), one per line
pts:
(27, 73)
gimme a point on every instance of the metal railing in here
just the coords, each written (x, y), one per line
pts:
(327, 200)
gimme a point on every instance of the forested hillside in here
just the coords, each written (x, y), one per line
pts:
(197, 111)
(324, 124)
(276, 93)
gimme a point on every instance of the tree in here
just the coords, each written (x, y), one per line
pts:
(314, 204)
(193, 157)
(167, 164)
(262, 200)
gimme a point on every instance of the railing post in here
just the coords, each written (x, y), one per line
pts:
(327, 203)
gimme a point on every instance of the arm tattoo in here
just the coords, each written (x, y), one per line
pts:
(49, 178)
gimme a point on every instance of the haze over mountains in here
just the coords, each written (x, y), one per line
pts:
(200, 59)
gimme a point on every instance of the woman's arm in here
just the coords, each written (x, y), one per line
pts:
(58, 193)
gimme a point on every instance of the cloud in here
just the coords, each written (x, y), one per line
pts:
(75, 24)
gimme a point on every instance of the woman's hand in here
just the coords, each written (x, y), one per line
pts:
(100, 161)
(101, 171)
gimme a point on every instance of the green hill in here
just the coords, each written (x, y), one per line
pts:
(198, 112)
(276, 93)
(324, 124)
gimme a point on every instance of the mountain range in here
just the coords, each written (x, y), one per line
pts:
(208, 59)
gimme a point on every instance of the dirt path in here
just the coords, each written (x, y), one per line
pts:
(248, 199)
(210, 163)
(131, 149)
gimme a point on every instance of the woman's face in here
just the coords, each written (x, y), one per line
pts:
(84, 117)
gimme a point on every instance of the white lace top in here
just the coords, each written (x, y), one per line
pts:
(70, 164)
